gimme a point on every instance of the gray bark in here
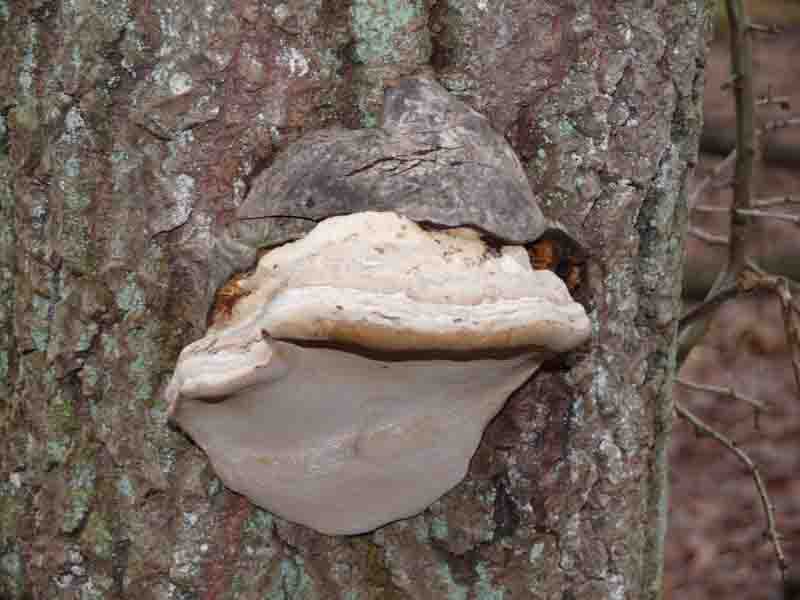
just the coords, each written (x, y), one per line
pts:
(131, 133)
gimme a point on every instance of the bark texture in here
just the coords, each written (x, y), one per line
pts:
(130, 132)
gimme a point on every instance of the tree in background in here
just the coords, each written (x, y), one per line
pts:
(741, 378)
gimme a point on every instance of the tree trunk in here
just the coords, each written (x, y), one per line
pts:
(131, 131)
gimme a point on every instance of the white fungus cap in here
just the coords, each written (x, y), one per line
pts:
(352, 382)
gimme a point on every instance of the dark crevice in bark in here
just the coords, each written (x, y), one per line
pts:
(44, 11)
(346, 99)
(506, 516)
(441, 53)
(119, 559)
(259, 166)
(334, 19)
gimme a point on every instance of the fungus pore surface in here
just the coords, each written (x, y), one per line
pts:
(350, 384)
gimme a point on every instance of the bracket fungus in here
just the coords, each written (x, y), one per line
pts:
(433, 159)
(350, 384)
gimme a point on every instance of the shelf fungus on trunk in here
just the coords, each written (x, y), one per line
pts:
(433, 159)
(350, 384)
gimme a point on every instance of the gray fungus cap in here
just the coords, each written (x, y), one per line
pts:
(433, 159)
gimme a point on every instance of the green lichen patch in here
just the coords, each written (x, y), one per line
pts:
(4, 382)
(57, 451)
(485, 589)
(378, 26)
(40, 323)
(86, 337)
(139, 373)
(61, 416)
(97, 538)
(130, 298)
(259, 523)
(12, 573)
(292, 581)
(455, 591)
(126, 489)
(97, 587)
(90, 376)
(77, 246)
(3, 137)
(80, 492)
(439, 528)
(188, 554)
(11, 508)
(110, 347)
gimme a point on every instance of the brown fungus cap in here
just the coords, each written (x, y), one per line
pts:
(433, 159)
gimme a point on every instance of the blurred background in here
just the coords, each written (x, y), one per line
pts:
(716, 545)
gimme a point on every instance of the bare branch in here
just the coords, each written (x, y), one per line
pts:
(780, 124)
(707, 306)
(762, 278)
(705, 208)
(791, 320)
(762, 28)
(722, 183)
(709, 179)
(693, 324)
(701, 234)
(723, 391)
(751, 279)
(754, 278)
(766, 503)
(742, 69)
(783, 102)
(777, 200)
(765, 214)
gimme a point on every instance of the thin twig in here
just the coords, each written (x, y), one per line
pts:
(722, 183)
(784, 102)
(764, 279)
(765, 214)
(754, 277)
(744, 96)
(705, 208)
(723, 391)
(711, 238)
(766, 502)
(760, 27)
(791, 322)
(777, 200)
(780, 124)
(709, 179)
(759, 203)
(707, 306)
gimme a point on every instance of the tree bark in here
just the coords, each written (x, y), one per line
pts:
(130, 133)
